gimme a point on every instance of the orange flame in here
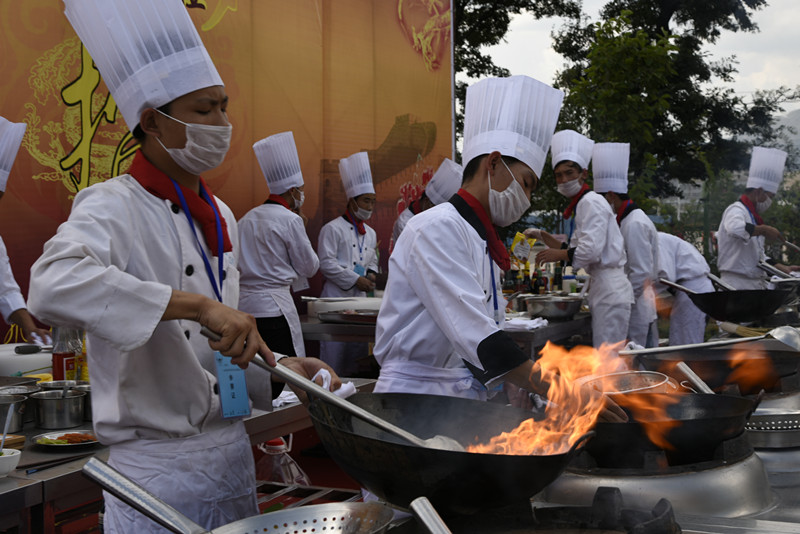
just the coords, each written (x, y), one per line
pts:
(651, 413)
(751, 369)
(571, 411)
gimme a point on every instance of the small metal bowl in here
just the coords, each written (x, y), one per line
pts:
(553, 307)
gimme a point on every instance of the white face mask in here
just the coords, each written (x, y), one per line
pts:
(205, 148)
(299, 202)
(508, 205)
(571, 188)
(764, 205)
(363, 214)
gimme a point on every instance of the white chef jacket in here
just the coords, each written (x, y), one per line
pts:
(641, 248)
(681, 262)
(597, 247)
(341, 248)
(438, 311)
(400, 224)
(739, 252)
(275, 251)
(110, 269)
(10, 296)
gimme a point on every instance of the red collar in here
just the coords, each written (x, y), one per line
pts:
(574, 201)
(355, 221)
(623, 210)
(744, 199)
(497, 250)
(158, 184)
(279, 200)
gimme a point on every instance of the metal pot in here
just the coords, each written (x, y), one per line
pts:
(455, 482)
(60, 384)
(30, 404)
(55, 409)
(87, 401)
(553, 307)
(17, 415)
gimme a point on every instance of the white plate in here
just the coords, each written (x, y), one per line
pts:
(57, 434)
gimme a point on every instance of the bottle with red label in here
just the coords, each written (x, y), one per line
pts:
(67, 345)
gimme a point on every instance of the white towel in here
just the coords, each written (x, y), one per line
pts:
(523, 325)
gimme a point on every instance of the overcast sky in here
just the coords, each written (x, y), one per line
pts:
(767, 59)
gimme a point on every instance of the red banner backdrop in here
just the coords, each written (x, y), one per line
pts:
(344, 76)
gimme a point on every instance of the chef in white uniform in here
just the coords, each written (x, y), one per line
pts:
(440, 328)
(640, 237)
(276, 252)
(443, 185)
(681, 262)
(12, 303)
(348, 257)
(129, 267)
(595, 242)
(742, 232)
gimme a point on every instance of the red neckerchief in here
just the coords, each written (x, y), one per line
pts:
(158, 184)
(744, 199)
(497, 250)
(279, 200)
(574, 202)
(621, 211)
(355, 221)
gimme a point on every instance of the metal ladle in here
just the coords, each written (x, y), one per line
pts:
(428, 516)
(9, 413)
(303, 383)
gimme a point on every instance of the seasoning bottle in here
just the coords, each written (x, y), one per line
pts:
(66, 345)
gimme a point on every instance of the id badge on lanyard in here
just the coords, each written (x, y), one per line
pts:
(230, 378)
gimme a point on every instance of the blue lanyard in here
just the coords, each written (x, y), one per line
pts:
(220, 250)
(360, 244)
(494, 289)
(752, 217)
(571, 228)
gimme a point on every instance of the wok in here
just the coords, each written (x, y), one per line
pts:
(455, 482)
(705, 422)
(355, 518)
(744, 305)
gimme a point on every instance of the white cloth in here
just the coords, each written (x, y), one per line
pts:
(525, 325)
(280, 165)
(275, 251)
(400, 223)
(641, 248)
(600, 251)
(569, 145)
(117, 259)
(739, 252)
(341, 248)
(356, 175)
(766, 168)
(437, 308)
(610, 167)
(11, 298)
(681, 262)
(222, 485)
(11, 135)
(515, 116)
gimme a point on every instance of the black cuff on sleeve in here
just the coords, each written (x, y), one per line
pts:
(749, 228)
(277, 389)
(498, 354)
(570, 254)
(772, 261)
(564, 246)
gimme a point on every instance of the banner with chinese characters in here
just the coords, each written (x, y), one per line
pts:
(344, 76)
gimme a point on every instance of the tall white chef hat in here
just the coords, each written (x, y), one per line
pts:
(11, 134)
(277, 156)
(610, 167)
(445, 182)
(515, 116)
(569, 145)
(766, 168)
(148, 51)
(356, 175)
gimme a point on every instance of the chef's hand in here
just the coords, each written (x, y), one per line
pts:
(770, 233)
(518, 397)
(307, 367)
(365, 284)
(30, 331)
(552, 254)
(534, 233)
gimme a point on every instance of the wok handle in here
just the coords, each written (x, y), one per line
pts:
(792, 246)
(677, 286)
(139, 498)
(579, 444)
(428, 516)
(718, 282)
(769, 269)
(303, 383)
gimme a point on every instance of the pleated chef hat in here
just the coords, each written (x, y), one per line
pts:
(445, 182)
(766, 168)
(610, 167)
(277, 156)
(356, 175)
(515, 116)
(11, 134)
(147, 51)
(569, 145)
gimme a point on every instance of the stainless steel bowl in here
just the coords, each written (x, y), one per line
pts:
(87, 401)
(30, 405)
(15, 425)
(553, 307)
(56, 410)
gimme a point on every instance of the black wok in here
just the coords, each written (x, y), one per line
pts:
(455, 482)
(744, 305)
(705, 422)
